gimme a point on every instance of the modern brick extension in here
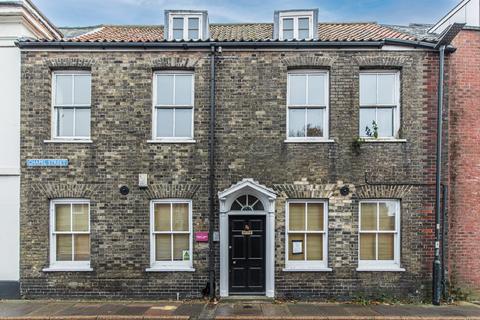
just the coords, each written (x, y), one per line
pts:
(464, 157)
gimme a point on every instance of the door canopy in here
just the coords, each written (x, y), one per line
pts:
(246, 195)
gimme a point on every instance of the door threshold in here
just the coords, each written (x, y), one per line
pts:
(250, 298)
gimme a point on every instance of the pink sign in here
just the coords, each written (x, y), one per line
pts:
(201, 236)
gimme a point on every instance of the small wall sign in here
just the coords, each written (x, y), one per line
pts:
(47, 162)
(201, 236)
(297, 247)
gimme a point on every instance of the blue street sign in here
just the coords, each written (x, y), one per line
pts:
(47, 163)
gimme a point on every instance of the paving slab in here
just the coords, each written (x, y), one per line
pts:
(51, 309)
(188, 309)
(247, 309)
(18, 308)
(275, 310)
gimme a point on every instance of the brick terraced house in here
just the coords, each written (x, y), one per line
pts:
(293, 159)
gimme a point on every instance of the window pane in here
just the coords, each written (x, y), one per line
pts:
(297, 90)
(368, 89)
(385, 122)
(367, 246)
(64, 247)
(180, 216)
(82, 122)
(367, 116)
(316, 90)
(164, 122)
(296, 122)
(82, 247)
(162, 217)
(177, 23)
(287, 34)
(288, 24)
(193, 23)
(296, 216)
(178, 34)
(368, 216)
(80, 217)
(315, 216)
(180, 244)
(82, 87)
(165, 89)
(183, 90)
(65, 122)
(193, 34)
(63, 90)
(163, 247)
(315, 122)
(386, 89)
(385, 246)
(62, 217)
(303, 34)
(303, 23)
(314, 247)
(387, 216)
(183, 123)
(293, 237)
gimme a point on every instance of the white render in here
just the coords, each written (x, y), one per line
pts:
(467, 11)
(17, 19)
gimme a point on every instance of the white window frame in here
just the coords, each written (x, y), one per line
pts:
(381, 265)
(309, 106)
(66, 265)
(395, 106)
(170, 265)
(54, 119)
(185, 17)
(295, 16)
(173, 106)
(307, 265)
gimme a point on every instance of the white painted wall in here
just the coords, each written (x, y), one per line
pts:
(467, 11)
(16, 21)
(10, 151)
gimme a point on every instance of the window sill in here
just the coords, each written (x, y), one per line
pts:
(309, 141)
(383, 140)
(307, 269)
(170, 269)
(172, 141)
(67, 269)
(380, 269)
(67, 141)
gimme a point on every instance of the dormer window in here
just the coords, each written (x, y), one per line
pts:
(186, 25)
(295, 24)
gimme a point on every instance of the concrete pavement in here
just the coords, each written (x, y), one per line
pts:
(226, 310)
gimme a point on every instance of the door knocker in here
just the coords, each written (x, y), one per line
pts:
(246, 231)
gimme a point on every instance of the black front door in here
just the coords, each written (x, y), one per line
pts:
(247, 254)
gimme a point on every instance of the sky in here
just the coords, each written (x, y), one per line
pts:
(75, 13)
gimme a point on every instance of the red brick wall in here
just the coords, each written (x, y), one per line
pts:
(464, 157)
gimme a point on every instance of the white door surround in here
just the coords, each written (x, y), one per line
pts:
(267, 196)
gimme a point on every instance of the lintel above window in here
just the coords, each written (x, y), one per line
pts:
(295, 24)
(186, 25)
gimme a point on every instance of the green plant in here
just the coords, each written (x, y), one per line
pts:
(356, 143)
(372, 133)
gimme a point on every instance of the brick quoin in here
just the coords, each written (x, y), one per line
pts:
(464, 158)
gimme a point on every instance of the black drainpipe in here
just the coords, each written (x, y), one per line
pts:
(211, 187)
(437, 263)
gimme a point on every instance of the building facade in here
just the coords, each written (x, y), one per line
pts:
(322, 176)
(464, 88)
(17, 19)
